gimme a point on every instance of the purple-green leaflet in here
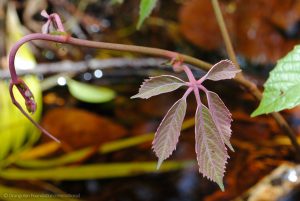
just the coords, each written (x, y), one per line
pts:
(212, 123)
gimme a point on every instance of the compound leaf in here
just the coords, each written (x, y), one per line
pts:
(158, 85)
(210, 150)
(167, 134)
(221, 117)
(282, 89)
(222, 70)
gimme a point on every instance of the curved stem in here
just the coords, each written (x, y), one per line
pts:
(99, 45)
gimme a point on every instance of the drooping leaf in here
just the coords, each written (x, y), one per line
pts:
(282, 89)
(90, 93)
(158, 85)
(222, 70)
(210, 150)
(146, 7)
(221, 117)
(167, 134)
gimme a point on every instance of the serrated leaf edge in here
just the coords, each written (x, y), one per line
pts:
(224, 137)
(214, 67)
(177, 132)
(141, 94)
(221, 146)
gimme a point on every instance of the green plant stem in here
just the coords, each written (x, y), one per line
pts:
(250, 86)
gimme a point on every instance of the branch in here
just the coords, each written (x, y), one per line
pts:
(101, 45)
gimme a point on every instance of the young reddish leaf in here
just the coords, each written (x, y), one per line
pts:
(222, 70)
(210, 150)
(221, 117)
(167, 134)
(158, 85)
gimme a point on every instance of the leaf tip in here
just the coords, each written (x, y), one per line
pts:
(133, 97)
(159, 163)
(230, 147)
(139, 96)
(255, 113)
(139, 24)
(221, 185)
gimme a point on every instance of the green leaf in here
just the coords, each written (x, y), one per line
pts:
(94, 171)
(90, 93)
(282, 89)
(146, 7)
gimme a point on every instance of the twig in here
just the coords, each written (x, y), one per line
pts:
(92, 64)
(103, 45)
(250, 86)
(224, 32)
